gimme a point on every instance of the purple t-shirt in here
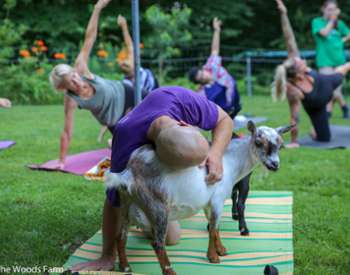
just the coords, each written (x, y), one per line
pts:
(178, 103)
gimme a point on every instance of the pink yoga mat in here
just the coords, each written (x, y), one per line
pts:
(75, 164)
(4, 144)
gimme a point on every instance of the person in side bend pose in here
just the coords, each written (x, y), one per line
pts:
(215, 82)
(170, 113)
(330, 34)
(148, 81)
(108, 100)
(304, 86)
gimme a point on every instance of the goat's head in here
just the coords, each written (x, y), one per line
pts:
(267, 142)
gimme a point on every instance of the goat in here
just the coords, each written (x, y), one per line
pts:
(153, 194)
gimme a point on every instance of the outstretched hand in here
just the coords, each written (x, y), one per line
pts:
(217, 24)
(280, 5)
(121, 20)
(101, 4)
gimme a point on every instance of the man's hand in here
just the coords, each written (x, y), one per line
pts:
(121, 21)
(216, 24)
(214, 165)
(334, 16)
(101, 4)
(5, 103)
(281, 7)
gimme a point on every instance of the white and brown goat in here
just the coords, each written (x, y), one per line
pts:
(153, 194)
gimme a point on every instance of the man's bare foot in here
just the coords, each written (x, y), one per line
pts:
(101, 264)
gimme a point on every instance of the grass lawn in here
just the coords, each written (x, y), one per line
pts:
(45, 216)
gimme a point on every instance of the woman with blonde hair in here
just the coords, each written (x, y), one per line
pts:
(107, 100)
(301, 85)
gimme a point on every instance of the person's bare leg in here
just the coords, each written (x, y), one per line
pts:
(110, 228)
(173, 233)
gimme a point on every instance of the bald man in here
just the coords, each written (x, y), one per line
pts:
(169, 119)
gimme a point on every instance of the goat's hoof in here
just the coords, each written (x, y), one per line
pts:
(169, 271)
(214, 258)
(125, 269)
(221, 251)
(235, 216)
(244, 231)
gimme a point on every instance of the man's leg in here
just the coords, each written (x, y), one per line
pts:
(110, 227)
(173, 233)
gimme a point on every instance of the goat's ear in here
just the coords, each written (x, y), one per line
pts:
(284, 129)
(251, 127)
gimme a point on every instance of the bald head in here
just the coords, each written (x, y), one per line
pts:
(181, 146)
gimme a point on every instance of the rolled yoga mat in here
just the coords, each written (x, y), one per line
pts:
(340, 139)
(5, 144)
(269, 219)
(76, 164)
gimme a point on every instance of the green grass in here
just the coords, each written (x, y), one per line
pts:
(44, 216)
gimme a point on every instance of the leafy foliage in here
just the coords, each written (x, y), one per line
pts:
(169, 32)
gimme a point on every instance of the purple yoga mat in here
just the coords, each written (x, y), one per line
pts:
(75, 164)
(4, 144)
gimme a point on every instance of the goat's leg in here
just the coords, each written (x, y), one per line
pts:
(243, 190)
(156, 212)
(234, 195)
(121, 241)
(215, 247)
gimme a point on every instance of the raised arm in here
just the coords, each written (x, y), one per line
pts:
(127, 38)
(215, 44)
(66, 136)
(81, 63)
(288, 33)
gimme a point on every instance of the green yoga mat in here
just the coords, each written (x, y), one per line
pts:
(269, 219)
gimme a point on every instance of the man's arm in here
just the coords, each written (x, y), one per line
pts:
(81, 63)
(66, 136)
(127, 38)
(222, 135)
(288, 33)
(215, 45)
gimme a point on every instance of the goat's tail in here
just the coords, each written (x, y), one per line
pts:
(118, 180)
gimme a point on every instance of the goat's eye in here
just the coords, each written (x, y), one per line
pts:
(258, 143)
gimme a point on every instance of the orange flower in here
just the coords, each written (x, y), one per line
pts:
(102, 53)
(35, 49)
(59, 56)
(24, 53)
(43, 49)
(40, 43)
(142, 46)
(122, 55)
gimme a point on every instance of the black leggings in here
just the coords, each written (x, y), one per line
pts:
(320, 121)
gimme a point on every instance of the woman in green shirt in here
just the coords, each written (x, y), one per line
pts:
(330, 34)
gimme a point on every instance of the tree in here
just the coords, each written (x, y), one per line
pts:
(169, 32)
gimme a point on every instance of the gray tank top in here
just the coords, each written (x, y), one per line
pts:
(107, 104)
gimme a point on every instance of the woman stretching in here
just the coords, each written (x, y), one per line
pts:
(302, 85)
(107, 100)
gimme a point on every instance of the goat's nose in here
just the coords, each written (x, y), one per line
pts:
(275, 164)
